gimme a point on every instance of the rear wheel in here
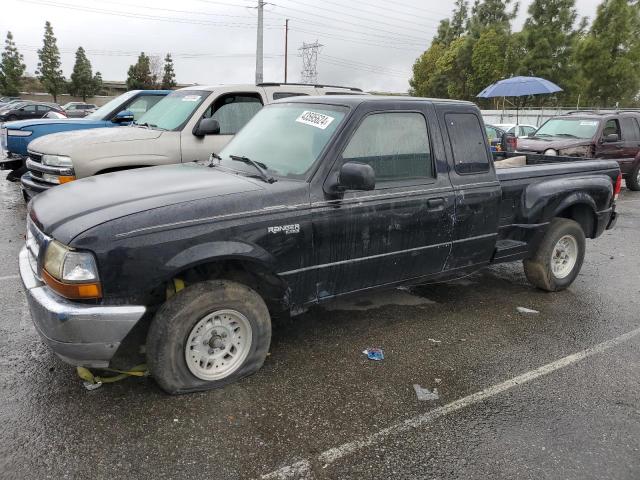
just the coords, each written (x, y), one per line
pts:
(208, 335)
(558, 260)
(633, 180)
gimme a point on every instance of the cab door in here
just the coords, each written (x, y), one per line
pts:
(477, 190)
(232, 110)
(399, 231)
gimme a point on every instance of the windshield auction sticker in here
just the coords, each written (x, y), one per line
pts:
(315, 119)
(588, 123)
(191, 98)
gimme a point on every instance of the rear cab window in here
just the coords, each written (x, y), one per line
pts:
(467, 143)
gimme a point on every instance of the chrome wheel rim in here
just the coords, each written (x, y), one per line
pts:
(564, 256)
(218, 344)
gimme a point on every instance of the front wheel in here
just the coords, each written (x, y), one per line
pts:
(558, 259)
(208, 335)
(633, 180)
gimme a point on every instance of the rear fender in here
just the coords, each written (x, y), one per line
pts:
(545, 200)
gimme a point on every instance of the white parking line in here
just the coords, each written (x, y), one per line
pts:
(302, 469)
(10, 277)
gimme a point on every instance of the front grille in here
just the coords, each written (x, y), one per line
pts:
(36, 157)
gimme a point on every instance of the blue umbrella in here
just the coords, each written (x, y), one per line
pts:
(519, 87)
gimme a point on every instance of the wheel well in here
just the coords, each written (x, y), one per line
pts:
(119, 169)
(584, 215)
(272, 288)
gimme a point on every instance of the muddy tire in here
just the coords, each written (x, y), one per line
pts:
(207, 336)
(633, 180)
(558, 259)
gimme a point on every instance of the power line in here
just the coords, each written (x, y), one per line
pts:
(334, 20)
(396, 4)
(396, 37)
(367, 42)
(386, 16)
(143, 16)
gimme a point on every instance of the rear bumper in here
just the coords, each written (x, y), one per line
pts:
(83, 335)
(606, 220)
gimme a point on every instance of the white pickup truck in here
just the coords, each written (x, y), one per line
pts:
(188, 124)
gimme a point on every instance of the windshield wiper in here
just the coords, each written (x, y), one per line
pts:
(260, 167)
(565, 135)
(147, 125)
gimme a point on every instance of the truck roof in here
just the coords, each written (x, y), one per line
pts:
(250, 87)
(353, 100)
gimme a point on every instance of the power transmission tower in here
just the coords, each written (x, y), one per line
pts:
(259, 53)
(309, 53)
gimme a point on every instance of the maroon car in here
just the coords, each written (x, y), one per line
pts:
(613, 136)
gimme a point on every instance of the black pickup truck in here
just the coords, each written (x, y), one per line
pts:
(315, 198)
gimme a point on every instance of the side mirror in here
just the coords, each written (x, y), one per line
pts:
(611, 138)
(125, 116)
(206, 126)
(356, 176)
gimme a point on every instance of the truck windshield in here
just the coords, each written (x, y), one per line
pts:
(568, 127)
(174, 110)
(286, 138)
(110, 106)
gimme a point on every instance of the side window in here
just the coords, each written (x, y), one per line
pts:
(395, 144)
(467, 143)
(30, 108)
(279, 95)
(142, 104)
(528, 131)
(629, 129)
(234, 111)
(612, 126)
(491, 133)
(43, 109)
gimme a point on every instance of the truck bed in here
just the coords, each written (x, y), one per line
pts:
(537, 183)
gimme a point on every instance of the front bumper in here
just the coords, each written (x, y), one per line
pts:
(32, 186)
(83, 335)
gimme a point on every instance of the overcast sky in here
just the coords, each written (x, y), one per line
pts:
(369, 44)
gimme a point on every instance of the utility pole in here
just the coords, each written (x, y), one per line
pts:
(259, 52)
(286, 47)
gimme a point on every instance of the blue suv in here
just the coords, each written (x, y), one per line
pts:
(122, 110)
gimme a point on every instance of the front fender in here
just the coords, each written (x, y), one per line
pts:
(220, 251)
(545, 200)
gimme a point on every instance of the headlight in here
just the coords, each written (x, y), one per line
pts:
(19, 133)
(56, 161)
(551, 152)
(71, 273)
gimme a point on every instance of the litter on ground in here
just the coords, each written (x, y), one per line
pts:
(374, 354)
(527, 310)
(424, 394)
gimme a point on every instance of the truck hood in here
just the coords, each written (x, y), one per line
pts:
(540, 144)
(27, 124)
(65, 143)
(66, 211)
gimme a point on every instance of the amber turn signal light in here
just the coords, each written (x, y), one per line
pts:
(73, 291)
(66, 178)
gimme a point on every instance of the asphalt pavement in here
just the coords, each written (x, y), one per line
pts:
(547, 395)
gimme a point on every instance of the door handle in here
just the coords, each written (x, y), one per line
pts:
(434, 203)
